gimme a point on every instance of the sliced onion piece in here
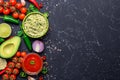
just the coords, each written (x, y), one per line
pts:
(38, 46)
(30, 78)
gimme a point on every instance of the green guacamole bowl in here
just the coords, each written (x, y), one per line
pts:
(35, 24)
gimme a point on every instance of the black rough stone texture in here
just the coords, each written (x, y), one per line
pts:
(83, 42)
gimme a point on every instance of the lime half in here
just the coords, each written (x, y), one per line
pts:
(35, 25)
(5, 30)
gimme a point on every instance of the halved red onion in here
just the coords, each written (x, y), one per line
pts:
(38, 46)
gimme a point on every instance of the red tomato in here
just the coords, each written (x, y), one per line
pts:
(18, 5)
(15, 59)
(23, 10)
(16, 15)
(8, 70)
(18, 65)
(5, 77)
(43, 58)
(1, 2)
(6, 11)
(11, 64)
(15, 71)
(12, 8)
(23, 54)
(12, 77)
(13, 2)
(1, 9)
(6, 4)
(21, 16)
(20, 59)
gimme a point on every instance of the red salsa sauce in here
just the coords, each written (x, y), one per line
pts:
(32, 64)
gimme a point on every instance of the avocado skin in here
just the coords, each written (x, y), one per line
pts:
(9, 48)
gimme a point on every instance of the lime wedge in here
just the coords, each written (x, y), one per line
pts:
(5, 30)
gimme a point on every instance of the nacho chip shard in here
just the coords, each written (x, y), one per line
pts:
(3, 63)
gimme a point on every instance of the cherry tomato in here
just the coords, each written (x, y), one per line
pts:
(12, 8)
(6, 4)
(18, 5)
(5, 77)
(15, 71)
(20, 59)
(1, 9)
(16, 15)
(43, 58)
(1, 2)
(23, 54)
(8, 70)
(18, 65)
(14, 59)
(23, 10)
(21, 16)
(12, 77)
(11, 64)
(13, 2)
(6, 11)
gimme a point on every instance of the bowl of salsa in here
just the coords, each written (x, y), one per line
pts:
(32, 64)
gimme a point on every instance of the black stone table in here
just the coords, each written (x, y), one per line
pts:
(83, 42)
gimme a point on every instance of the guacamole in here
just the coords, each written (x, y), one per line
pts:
(35, 25)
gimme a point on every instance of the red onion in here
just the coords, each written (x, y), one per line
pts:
(38, 46)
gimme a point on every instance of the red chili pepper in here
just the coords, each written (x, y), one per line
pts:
(35, 3)
(1, 72)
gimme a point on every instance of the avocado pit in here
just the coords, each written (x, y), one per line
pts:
(7, 49)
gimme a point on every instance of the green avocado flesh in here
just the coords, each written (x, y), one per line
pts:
(35, 25)
(9, 48)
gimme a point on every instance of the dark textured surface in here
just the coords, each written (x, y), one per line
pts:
(83, 42)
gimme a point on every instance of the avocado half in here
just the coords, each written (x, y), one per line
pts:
(9, 48)
(35, 24)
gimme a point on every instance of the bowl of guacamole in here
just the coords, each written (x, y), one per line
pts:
(35, 25)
